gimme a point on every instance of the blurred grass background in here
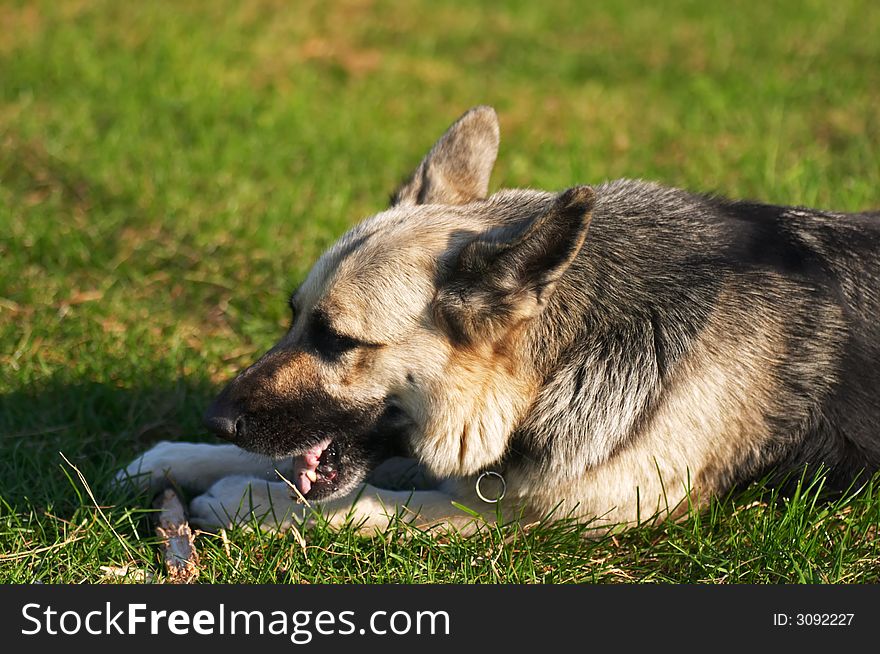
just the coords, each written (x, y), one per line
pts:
(170, 170)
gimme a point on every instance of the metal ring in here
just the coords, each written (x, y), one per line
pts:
(490, 473)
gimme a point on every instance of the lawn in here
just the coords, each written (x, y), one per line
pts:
(170, 170)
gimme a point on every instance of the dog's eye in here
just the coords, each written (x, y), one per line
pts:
(327, 342)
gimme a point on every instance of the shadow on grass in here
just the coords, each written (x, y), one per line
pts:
(98, 427)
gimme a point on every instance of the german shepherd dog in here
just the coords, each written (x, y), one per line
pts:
(607, 353)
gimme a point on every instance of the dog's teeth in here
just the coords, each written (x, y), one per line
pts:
(312, 475)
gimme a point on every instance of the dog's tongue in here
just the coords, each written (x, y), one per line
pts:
(305, 467)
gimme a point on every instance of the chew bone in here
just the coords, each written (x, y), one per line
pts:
(181, 558)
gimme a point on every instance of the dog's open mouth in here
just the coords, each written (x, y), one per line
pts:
(316, 467)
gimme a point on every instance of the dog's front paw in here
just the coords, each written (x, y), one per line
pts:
(156, 468)
(247, 502)
(194, 466)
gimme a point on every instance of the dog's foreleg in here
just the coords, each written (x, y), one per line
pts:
(269, 505)
(195, 466)
(247, 502)
(372, 509)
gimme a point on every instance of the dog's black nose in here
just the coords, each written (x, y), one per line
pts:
(223, 422)
(221, 426)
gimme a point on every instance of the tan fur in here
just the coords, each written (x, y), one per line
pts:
(472, 409)
(290, 374)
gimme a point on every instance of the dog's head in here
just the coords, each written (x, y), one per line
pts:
(407, 334)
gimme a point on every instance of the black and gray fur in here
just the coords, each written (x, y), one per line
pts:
(645, 285)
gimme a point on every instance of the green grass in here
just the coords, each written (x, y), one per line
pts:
(169, 170)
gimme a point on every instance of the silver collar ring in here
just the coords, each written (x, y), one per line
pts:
(494, 475)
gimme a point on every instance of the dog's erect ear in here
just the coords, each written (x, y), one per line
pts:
(457, 169)
(493, 286)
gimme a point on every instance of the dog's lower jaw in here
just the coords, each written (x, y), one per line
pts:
(321, 492)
